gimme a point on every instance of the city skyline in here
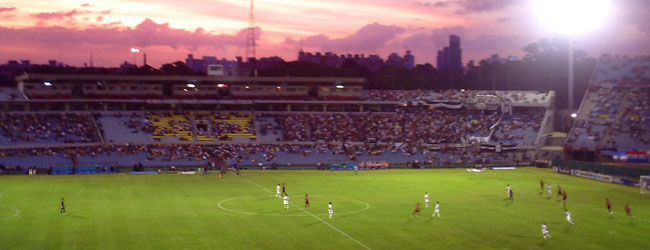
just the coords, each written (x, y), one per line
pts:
(70, 32)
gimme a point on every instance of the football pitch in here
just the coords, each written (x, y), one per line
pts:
(373, 210)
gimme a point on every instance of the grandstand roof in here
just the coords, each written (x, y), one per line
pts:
(228, 79)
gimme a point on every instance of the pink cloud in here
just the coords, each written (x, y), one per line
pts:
(147, 33)
(369, 38)
(7, 9)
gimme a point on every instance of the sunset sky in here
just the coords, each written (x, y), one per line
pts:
(168, 30)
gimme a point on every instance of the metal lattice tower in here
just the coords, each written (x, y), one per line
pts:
(250, 38)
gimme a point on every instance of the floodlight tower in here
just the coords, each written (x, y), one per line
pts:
(571, 18)
(250, 39)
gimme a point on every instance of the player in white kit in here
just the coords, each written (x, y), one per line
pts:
(286, 201)
(568, 216)
(549, 189)
(278, 192)
(436, 210)
(330, 210)
(508, 188)
(545, 232)
(426, 200)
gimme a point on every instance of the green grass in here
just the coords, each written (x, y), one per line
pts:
(181, 212)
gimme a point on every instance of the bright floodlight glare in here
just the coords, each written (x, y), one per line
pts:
(221, 85)
(572, 16)
(574, 115)
(191, 85)
(339, 86)
(134, 50)
(47, 83)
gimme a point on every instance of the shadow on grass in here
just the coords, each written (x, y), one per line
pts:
(523, 236)
(76, 216)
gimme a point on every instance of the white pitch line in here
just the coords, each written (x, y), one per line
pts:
(321, 220)
(16, 213)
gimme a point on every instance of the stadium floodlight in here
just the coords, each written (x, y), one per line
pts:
(134, 50)
(191, 85)
(221, 85)
(339, 86)
(47, 83)
(571, 17)
(574, 115)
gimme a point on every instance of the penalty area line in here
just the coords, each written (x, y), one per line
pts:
(321, 220)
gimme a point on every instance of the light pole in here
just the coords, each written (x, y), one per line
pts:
(571, 61)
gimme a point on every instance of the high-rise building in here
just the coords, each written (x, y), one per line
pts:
(450, 57)
(371, 62)
(395, 60)
(409, 60)
(230, 67)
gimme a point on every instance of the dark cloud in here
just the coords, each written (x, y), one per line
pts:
(470, 6)
(433, 5)
(59, 14)
(433, 39)
(147, 33)
(369, 38)
(7, 9)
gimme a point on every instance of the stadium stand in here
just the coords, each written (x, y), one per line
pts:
(420, 127)
(8, 94)
(518, 128)
(47, 128)
(614, 116)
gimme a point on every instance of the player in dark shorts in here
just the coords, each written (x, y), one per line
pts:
(417, 209)
(628, 209)
(62, 206)
(559, 191)
(564, 195)
(541, 184)
(284, 189)
(609, 206)
(307, 201)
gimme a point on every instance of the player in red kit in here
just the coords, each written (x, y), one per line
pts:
(417, 209)
(541, 184)
(559, 192)
(628, 209)
(307, 201)
(609, 206)
(564, 195)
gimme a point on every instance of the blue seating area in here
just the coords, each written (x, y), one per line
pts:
(124, 129)
(615, 71)
(518, 128)
(62, 170)
(95, 164)
(7, 94)
(40, 161)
